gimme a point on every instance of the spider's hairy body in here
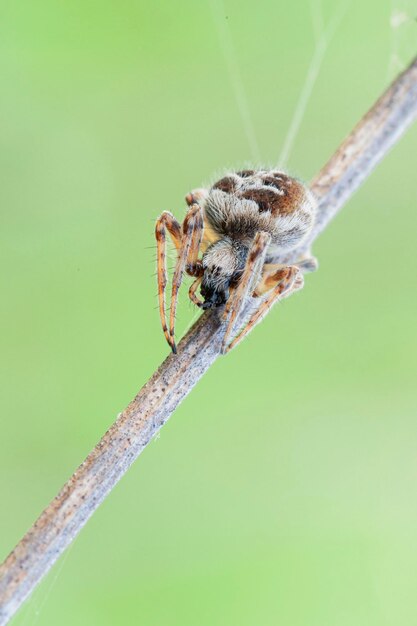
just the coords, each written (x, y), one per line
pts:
(242, 204)
(243, 226)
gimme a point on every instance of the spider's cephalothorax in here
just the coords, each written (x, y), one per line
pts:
(234, 240)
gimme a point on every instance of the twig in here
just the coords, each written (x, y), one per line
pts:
(62, 520)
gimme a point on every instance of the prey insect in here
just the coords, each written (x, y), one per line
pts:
(233, 241)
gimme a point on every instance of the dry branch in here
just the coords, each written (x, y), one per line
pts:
(62, 520)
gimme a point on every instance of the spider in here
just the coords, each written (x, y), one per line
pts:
(243, 227)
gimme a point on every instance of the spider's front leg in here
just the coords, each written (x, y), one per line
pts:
(246, 284)
(278, 284)
(166, 222)
(187, 240)
(192, 232)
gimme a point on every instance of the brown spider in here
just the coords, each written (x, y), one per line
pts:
(243, 226)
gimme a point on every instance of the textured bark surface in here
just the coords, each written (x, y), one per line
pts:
(61, 521)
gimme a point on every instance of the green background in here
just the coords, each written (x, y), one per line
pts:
(283, 490)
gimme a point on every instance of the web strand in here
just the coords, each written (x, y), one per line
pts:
(228, 49)
(402, 20)
(322, 42)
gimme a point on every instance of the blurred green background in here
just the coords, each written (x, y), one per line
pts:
(283, 490)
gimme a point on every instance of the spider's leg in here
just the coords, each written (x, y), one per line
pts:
(193, 289)
(192, 229)
(165, 222)
(250, 276)
(194, 266)
(308, 264)
(281, 284)
(196, 196)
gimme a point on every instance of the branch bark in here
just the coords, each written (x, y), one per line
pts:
(62, 520)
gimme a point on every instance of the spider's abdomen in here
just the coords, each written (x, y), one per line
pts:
(243, 203)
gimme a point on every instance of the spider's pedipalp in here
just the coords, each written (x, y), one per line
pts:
(192, 292)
